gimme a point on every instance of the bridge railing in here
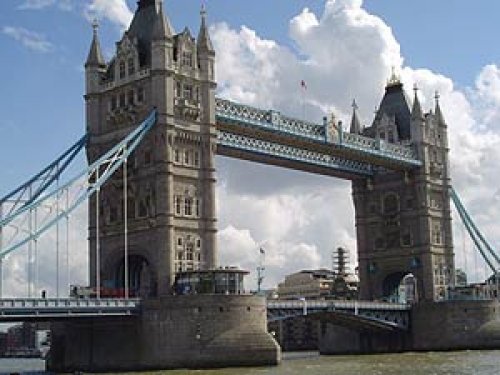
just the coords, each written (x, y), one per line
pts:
(347, 305)
(30, 303)
(274, 121)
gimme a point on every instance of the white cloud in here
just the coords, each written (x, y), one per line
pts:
(300, 218)
(116, 11)
(344, 53)
(41, 4)
(15, 266)
(30, 39)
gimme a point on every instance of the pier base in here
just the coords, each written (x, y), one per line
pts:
(456, 325)
(197, 331)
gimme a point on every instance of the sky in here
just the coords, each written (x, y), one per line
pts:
(343, 49)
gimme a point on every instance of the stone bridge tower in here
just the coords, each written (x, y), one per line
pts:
(171, 176)
(403, 220)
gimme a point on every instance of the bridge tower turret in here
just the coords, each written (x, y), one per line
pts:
(403, 219)
(171, 175)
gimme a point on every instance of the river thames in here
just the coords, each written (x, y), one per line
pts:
(453, 363)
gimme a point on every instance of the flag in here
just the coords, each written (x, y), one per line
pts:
(303, 84)
(262, 251)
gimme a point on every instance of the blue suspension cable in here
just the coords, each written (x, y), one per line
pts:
(474, 233)
(458, 204)
(112, 160)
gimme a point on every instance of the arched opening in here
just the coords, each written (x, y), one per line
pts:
(408, 287)
(400, 287)
(140, 280)
(390, 286)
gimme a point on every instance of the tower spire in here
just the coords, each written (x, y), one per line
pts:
(204, 42)
(416, 111)
(355, 124)
(162, 28)
(438, 113)
(145, 3)
(95, 57)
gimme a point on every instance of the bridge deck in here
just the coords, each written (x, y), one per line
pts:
(17, 309)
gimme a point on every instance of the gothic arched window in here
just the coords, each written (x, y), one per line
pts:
(188, 206)
(131, 66)
(391, 204)
(122, 69)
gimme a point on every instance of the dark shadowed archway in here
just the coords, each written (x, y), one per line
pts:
(139, 276)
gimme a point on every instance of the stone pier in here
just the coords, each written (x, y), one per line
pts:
(196, 331)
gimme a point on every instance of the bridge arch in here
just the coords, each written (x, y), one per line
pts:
(142, 273)
(400, 287)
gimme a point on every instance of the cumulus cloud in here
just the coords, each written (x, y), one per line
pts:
(115, 11)
(342, 54)
(29, 39)
(72, 269)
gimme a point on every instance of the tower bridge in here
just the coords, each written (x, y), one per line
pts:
(153, 128)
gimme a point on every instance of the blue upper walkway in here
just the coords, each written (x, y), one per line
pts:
(269, 137)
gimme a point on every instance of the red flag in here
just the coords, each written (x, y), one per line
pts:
(303, 84)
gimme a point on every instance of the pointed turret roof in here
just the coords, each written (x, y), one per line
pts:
(204, 42)
(142, 25)
(162, 28)
(355, 124)
(95, 57)
(395, 105)
(416, 112)
(438, 113)
(145, 3)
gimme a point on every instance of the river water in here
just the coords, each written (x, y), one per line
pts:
(445, 363)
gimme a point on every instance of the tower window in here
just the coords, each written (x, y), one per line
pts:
(147, 157)
(198, 243)
(131, 67)
(177, 157)
(130, 97)
(140, 95)
(178, 89)
(179, 241)
(391, 204)
(186, 157)
(178, 205)
(113, 103)
(188, 207)
(188, 92)
(122, 69)
(391, 137)
(196, 158)
(143, 210)
(122, 100)
(187, 59)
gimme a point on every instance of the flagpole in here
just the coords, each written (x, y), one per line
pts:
(260, 270)
(303, 85)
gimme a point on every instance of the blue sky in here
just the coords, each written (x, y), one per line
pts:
(41, 97)
(343, 48)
